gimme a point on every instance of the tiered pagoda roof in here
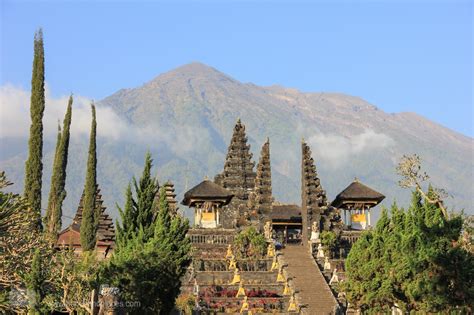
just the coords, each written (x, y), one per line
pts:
(171, 196)
(105, 232)
(207, 191)
(238, 175)
(287, 213)
(356, 194)
(263, 183)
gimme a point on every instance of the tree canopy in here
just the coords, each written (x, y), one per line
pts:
(412, 260)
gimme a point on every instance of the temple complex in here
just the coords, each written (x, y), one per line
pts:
(71, 237)
(287, 279)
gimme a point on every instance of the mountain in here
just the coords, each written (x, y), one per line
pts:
(185, 117)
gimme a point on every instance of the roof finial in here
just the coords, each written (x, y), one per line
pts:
(302, 140)
(206, 177)
(356, 180)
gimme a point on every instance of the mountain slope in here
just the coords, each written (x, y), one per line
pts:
(185, 118)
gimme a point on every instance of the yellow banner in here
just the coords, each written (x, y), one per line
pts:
(208, 216)
(358, 218)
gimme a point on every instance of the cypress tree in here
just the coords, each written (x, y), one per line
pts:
(35, 284)
(146, 189)
(128, 216)
(90, 214)
(57, 193)
(52, 191)
(140, 213)
(34, 164)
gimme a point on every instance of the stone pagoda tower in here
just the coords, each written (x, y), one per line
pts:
(313, 197)
(105, 232)
(238, 176)
(171, 197)
(263, 185)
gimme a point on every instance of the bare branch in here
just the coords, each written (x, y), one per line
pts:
(413, 177)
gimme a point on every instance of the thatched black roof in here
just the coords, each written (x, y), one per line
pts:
(290, 213)
(357, 192)
(207, 190)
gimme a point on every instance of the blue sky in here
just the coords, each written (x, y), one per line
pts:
(399, 55)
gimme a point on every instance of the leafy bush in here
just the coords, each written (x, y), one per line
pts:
(329, 240)
(250, 243)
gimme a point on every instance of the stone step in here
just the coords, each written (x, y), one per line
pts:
(309, 282)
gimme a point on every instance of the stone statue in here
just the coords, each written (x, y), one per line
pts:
(327, 264)
(292, 304)
(241, 291)
(229, 253)
(320, 251)
(268, 230)
(232, 263)
(270, 250)
(334, 278)
(245, 305)
(315, 233)
(195, 288)
(236, 278)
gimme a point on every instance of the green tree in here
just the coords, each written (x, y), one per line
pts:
(330, 241)
(73, 279)
(412, 260)
(34, 164)
(90, 213)
(57, 194)
(370, 287)
(140, 212)
(128, 225)
(146, 189)
(20, 243)
(148, 269)
(250, 243)
(35, 284)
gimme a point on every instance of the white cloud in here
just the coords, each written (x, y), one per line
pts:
(15, 115)
(15, 122)
(337, 150)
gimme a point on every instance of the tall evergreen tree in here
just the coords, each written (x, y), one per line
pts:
(90, 215)
(34, 164)
(140, 258)
(57, 194)
(140, 212)
(35, 282)
(128, 225)
(146, 189)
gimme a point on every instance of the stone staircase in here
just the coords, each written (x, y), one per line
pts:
(313, 290)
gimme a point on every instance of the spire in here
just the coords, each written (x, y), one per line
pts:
(263, 183)
(238, 175)
(313, 197)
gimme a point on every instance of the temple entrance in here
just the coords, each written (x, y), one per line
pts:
(287, 233)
